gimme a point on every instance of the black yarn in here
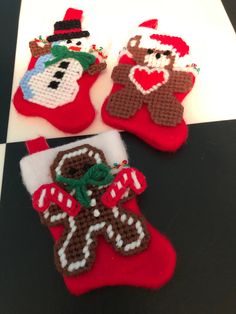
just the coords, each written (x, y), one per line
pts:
(68, 36)
(70, 24)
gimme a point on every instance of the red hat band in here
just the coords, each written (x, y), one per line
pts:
(67, 29)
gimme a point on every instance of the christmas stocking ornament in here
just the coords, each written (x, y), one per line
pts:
(60, 74)
(85, 193)
(150, 82)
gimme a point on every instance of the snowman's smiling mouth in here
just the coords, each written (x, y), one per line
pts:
(75, 48)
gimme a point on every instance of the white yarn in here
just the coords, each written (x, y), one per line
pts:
(35, 168)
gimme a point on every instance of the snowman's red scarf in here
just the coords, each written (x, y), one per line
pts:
(62, 52)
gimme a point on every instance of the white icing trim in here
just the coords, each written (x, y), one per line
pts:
(137, 243)
(96, 213)
(58, 217)
(46, 214)
(89, 192)
(76, 153)
(130, 221)
(115, 212)
(123, 218)
(80, 263)
(119, 242)
(110, 231)
(35, 167)
(93, 202)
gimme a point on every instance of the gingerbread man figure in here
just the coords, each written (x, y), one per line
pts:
(153, 80)
(87, 200)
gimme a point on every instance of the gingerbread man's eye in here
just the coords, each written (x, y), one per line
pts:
(68, 41)
(167, 53)
(86, 167)
(72, 171)
(149, 51)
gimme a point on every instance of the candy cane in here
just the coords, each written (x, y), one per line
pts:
(126, 178)
(52, 193)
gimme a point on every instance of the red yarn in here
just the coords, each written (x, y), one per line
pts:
(160, 137)
(127, 178)
(152, 268)
(36, 145)
(72, 117)
(52, 193)
(176, 42)
(150, 24)
(73, 14)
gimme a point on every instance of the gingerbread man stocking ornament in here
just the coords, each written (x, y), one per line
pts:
(60, 74)
(150, 83)
(89, 205)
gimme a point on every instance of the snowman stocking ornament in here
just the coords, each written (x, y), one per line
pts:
(60, 74)
(89, 205)
(150, 82)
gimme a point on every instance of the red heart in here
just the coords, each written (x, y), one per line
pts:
(147, 79)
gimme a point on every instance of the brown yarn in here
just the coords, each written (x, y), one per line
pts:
(38, 51)
(79, 163)
(86, 218)
(162, 104)
(96, 68)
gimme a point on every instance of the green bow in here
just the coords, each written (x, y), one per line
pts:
(62, 52)
(98, 175)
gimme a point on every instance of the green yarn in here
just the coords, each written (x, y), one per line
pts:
(98, 175)
(62, 52)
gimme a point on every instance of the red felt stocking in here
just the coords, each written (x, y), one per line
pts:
(101, 237)
(60, 74)
(150, 83)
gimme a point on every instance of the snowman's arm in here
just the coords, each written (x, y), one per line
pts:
(38, 51)
(96, 68)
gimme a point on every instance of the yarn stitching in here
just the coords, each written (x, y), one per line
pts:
(149, 88)
(75, 250)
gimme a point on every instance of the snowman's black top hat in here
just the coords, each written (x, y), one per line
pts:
(67, 29)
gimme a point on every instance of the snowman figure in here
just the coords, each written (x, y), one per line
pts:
(53, 82)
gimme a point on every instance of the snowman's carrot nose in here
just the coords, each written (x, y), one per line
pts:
(74, 48)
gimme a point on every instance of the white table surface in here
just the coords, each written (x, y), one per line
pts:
(203, 24)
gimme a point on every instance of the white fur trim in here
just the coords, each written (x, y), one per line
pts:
(35, 168)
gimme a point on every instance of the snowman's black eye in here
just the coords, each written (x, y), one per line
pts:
(78, 43)
(149, 51)
(68, 41)
(167, 53)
